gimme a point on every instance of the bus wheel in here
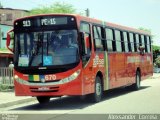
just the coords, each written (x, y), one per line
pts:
(97, 95)
(43, 100)
(137, 85)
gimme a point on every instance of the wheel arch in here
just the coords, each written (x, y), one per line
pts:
(138, 70)
(100, 74)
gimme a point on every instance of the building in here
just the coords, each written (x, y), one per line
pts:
(3, 34)
(7, 17)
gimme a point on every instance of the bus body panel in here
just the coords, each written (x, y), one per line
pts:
(123, 67)
(117, 68)
(27, 88)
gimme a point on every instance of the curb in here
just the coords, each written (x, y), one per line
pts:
(9, 104)
(155, 76)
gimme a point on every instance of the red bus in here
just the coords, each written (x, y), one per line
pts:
(64, 54)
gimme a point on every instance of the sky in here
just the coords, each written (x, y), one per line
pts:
(132, 13)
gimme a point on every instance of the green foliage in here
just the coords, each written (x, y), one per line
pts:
(147, 30)
(57, 7)
(154, 47)
(4, 87)
(157, 62)
(156, 52)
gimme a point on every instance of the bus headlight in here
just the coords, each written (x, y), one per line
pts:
(71, 77)
(16, 77)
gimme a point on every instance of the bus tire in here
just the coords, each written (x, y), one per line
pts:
(43, 99)
(98, 92)
(137, 85)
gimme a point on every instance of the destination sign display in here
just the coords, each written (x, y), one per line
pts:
(44, 21)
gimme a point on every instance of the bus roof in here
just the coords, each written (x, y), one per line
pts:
(113, 25)
(96, 21)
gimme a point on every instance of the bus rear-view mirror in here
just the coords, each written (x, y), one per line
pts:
(83, 41)
(10, 40)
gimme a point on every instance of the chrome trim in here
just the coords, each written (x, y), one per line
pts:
(21, 81)
(62, 81)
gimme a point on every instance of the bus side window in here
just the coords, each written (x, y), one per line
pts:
(97, 33)
(109, 38)
(125, 41)
(131, 42)
(118, 41)
(145, 42)
(122, 42)
(142, 42)
(137, 42)
(85, 27)
(148, 44)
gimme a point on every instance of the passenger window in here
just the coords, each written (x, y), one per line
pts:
(118, 41)
(97, 31)
(109, 38)
(125, 41)
(148, 44)
(142, 41)
(145, 43)
(85, 27)
(137, 42)
(131, 41)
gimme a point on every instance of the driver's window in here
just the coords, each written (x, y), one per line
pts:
(85, 27)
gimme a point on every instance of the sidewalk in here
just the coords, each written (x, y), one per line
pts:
(156, 75)
(9, 99)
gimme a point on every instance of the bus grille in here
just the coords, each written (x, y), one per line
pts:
(44, 89)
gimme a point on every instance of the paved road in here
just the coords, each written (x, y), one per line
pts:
(146, 100)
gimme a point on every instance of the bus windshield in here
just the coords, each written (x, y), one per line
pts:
(46, 48)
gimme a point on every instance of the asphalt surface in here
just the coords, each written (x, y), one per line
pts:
(118, 101)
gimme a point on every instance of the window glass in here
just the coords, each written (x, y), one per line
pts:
(145, 43)
(84, 28)
(131, 41)
(125, 41)
(118, 41)
(109, 36)
(142, 41)
(49, 48)
(148, 44)
(98, 38)
(137, 42)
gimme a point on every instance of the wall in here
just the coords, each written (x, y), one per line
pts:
(8, 15)
(3, 35)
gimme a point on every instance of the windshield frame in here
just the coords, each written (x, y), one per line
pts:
(44, 69)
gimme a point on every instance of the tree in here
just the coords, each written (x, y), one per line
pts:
(156, 53)
(57, 7)
(147, 30)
